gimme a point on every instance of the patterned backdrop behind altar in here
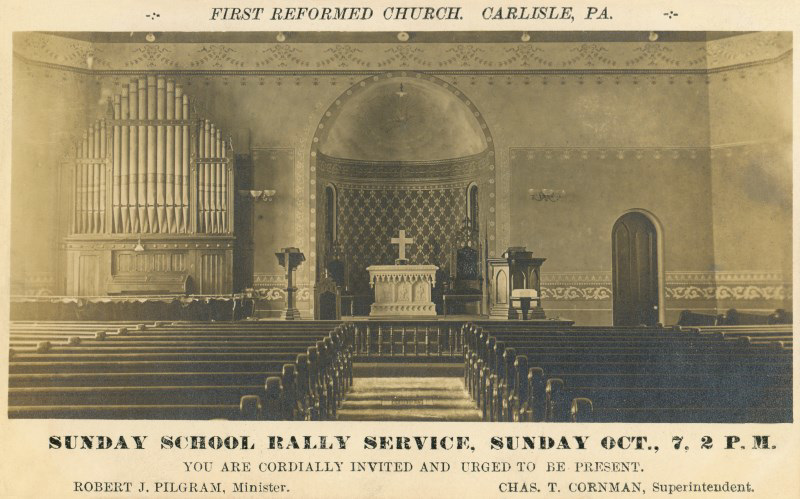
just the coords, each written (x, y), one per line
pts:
(369, 218)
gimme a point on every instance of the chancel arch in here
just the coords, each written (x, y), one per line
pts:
(400, 151)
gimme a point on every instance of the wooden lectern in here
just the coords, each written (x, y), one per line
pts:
(290, 258)
(517, 269)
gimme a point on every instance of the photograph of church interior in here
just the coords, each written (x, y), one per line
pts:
(413, 226)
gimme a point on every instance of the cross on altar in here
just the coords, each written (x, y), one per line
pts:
(401, 242)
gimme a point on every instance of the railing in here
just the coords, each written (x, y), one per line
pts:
(431, 339)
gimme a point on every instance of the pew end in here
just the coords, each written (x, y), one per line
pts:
(251, 408)
(289, 381)
(581, 410)
(537, 398)
(272, 398)
(554, 395)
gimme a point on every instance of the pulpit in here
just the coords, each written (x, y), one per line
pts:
(515, 284)
(402, 290)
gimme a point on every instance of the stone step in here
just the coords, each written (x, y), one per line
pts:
(408, 399)
(421, 369)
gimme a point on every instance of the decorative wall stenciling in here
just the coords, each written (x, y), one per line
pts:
(38, 284)
(382, 175)
(570, 286)
(272, 287)
(724, 292)
(728, 286)
(746, 286)
(583, 154)
(368, 219)
(593, 57)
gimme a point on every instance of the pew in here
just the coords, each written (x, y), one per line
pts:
(754, 333)
(689, 318)
(733, 317)
(624, 374)
(183, 371)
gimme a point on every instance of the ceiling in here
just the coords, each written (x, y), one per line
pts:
(421, 122)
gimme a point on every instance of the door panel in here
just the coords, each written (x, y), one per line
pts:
(635, 271)
(88, 275)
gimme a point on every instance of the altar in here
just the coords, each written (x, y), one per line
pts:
(402, 290)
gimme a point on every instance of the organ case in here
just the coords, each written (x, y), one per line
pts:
(151, 204)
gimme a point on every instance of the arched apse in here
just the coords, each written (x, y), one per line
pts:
(437, 128)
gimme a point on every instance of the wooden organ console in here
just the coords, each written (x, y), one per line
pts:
(151, 198)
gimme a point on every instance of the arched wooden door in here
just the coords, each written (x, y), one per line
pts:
(635, 270)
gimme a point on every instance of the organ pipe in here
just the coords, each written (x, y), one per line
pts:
(151, 154)
(116, 169)
(121, 212)
(160, 156)
(101, 125)
(146, 149)
(94, 178)
(169, 160)
(141, 192)
(84, 190)
(212, 184)
(133, 161)
(185, 172)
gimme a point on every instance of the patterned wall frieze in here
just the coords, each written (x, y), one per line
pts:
(727, 277)
(728, 285)
(573, 154)
(279, 294)
(569, 293)
(117, 243)
(545, 58)
(578, 285)
(266, 280)
(678, 285)
(464, 78)
(36, 284)
(577, 278)
(369, 219)
(744, 49)
(387, 174)
(305, 179)
(725, 292)
(502, 200)
(272, 287)
(421, 186)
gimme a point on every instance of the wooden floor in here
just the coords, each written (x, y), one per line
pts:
(408, 399)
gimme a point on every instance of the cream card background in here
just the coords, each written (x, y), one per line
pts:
(30, 469)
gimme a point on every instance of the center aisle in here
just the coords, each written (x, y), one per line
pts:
(408, 399)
